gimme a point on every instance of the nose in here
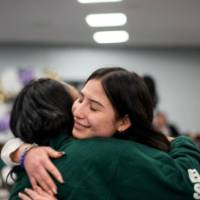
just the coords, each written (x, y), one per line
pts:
(78, 110)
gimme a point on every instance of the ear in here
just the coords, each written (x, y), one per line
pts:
(124, 124)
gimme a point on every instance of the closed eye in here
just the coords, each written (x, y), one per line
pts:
(93, 109)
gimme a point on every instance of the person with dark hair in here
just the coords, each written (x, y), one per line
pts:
(160, 120)
(132, 105)
(41, 111)
(162, 124)
(120, 155)
(151, 85)
(42, 114)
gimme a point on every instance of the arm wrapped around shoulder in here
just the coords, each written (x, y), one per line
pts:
(185, 152)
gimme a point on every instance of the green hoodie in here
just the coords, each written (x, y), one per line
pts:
(112, 169)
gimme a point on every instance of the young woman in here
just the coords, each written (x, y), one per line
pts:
(138, 164)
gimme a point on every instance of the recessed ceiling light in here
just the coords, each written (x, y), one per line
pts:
(104, 20)
(104, 37)
(98, 1)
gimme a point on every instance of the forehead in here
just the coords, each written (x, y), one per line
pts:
(93, 86)
(93, 90)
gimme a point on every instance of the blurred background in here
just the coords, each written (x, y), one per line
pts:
(68, 39)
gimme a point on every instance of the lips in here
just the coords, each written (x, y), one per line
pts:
(79, 125)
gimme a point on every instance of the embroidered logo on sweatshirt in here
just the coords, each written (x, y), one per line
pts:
(195, 179)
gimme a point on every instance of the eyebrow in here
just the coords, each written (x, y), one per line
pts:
(92, 100)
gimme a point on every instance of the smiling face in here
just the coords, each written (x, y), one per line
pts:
(93, 113)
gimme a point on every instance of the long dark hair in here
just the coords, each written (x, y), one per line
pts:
(41, 111)
(151, 85)
(130, 96)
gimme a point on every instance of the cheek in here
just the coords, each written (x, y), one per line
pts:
(110, 125)
(74, 106)
(102, 125)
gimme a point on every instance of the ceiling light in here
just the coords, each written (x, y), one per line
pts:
(111, 36)
(104, 20)
(98, 1)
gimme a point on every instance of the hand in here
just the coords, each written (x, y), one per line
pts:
(39, 167)
(37, 194)
(170, 139)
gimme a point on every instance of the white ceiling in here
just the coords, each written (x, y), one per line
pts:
(168, 23)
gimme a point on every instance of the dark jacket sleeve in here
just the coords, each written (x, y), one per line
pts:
(185, 153)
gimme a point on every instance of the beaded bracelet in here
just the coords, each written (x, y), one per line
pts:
(23, 155)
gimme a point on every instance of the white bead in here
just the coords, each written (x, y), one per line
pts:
(194, 175)
(196, 196)
(197, 187)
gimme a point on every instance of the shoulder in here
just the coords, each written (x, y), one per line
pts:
(106, 150)
(90, 164)
(181, 141)
(184, 151)
(184, 144)
(99, 152)
(99, 147)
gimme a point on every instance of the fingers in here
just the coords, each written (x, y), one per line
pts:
(44, 194)
(38, 194)
(23, 196)
(41, 192)
(53, 153)
(45, 181)
(31, 195)
(44, 161)
(54, 171)
(170, 139)
(33, 182)
(38, 166)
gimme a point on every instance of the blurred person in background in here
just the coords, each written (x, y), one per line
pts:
(195, 136)
(162, 124)
(151, 85)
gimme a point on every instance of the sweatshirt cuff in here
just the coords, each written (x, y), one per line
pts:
(9, 148)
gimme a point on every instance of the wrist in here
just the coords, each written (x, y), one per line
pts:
(24, 152)
(15, 155)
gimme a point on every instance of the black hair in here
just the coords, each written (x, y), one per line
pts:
(130, 96)
(151, 85)
(41, 111)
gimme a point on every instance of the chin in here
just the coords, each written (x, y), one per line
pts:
(79, 135)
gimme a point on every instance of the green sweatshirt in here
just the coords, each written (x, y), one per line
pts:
(112, 169)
